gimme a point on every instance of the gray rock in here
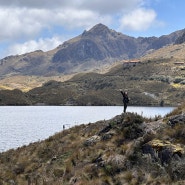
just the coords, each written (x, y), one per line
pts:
(178, 119)
(92, 140)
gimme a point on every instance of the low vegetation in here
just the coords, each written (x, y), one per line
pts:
(128, 149)
(151, 82)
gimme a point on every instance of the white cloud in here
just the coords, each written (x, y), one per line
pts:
(105, 7)
(138, 20)
(27, 20)
(35, 3)
(101, 6)
(17, 23)
(73, 18)
(44, 44)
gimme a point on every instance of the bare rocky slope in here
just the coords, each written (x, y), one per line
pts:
(128, 149)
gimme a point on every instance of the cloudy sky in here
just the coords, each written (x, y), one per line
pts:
(29, 25)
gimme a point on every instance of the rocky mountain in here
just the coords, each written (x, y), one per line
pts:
(127, 149)
(90, 50)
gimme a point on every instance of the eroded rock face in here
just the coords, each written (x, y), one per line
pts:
(180, 39)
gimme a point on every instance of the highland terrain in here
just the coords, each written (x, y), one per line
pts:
(156, 82)
(92, 49)
(91, 68)
(128, 149)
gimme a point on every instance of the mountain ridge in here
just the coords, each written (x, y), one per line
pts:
(92, 49)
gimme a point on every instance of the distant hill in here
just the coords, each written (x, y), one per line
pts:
(92, 49)
(175, 52)
(149, 82)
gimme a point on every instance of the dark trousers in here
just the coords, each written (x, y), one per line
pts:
(125, 107)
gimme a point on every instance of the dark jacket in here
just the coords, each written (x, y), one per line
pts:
(125, 97)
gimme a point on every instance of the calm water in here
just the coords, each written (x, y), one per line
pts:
(22, 125)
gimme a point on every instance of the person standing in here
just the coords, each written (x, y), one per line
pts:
(125, 100)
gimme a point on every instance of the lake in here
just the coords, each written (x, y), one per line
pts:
(21, 125)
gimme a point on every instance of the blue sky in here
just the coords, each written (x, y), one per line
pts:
(29, 25)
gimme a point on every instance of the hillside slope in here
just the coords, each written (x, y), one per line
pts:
(148, 82)
(127, 149)
(175, 52)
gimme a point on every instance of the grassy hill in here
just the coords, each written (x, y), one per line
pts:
(173, 51)
(148, 82)
(128, 149)
(26, 83)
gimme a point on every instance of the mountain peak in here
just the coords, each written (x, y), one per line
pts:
(99, 26)
(98, 29)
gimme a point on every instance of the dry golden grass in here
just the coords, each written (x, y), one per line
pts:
(177, 52)
(177, 86)
(26, 83)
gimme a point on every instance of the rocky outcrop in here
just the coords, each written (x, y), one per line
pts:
(98, 44)
(163, 150)
(180, 39)
(177, 119)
